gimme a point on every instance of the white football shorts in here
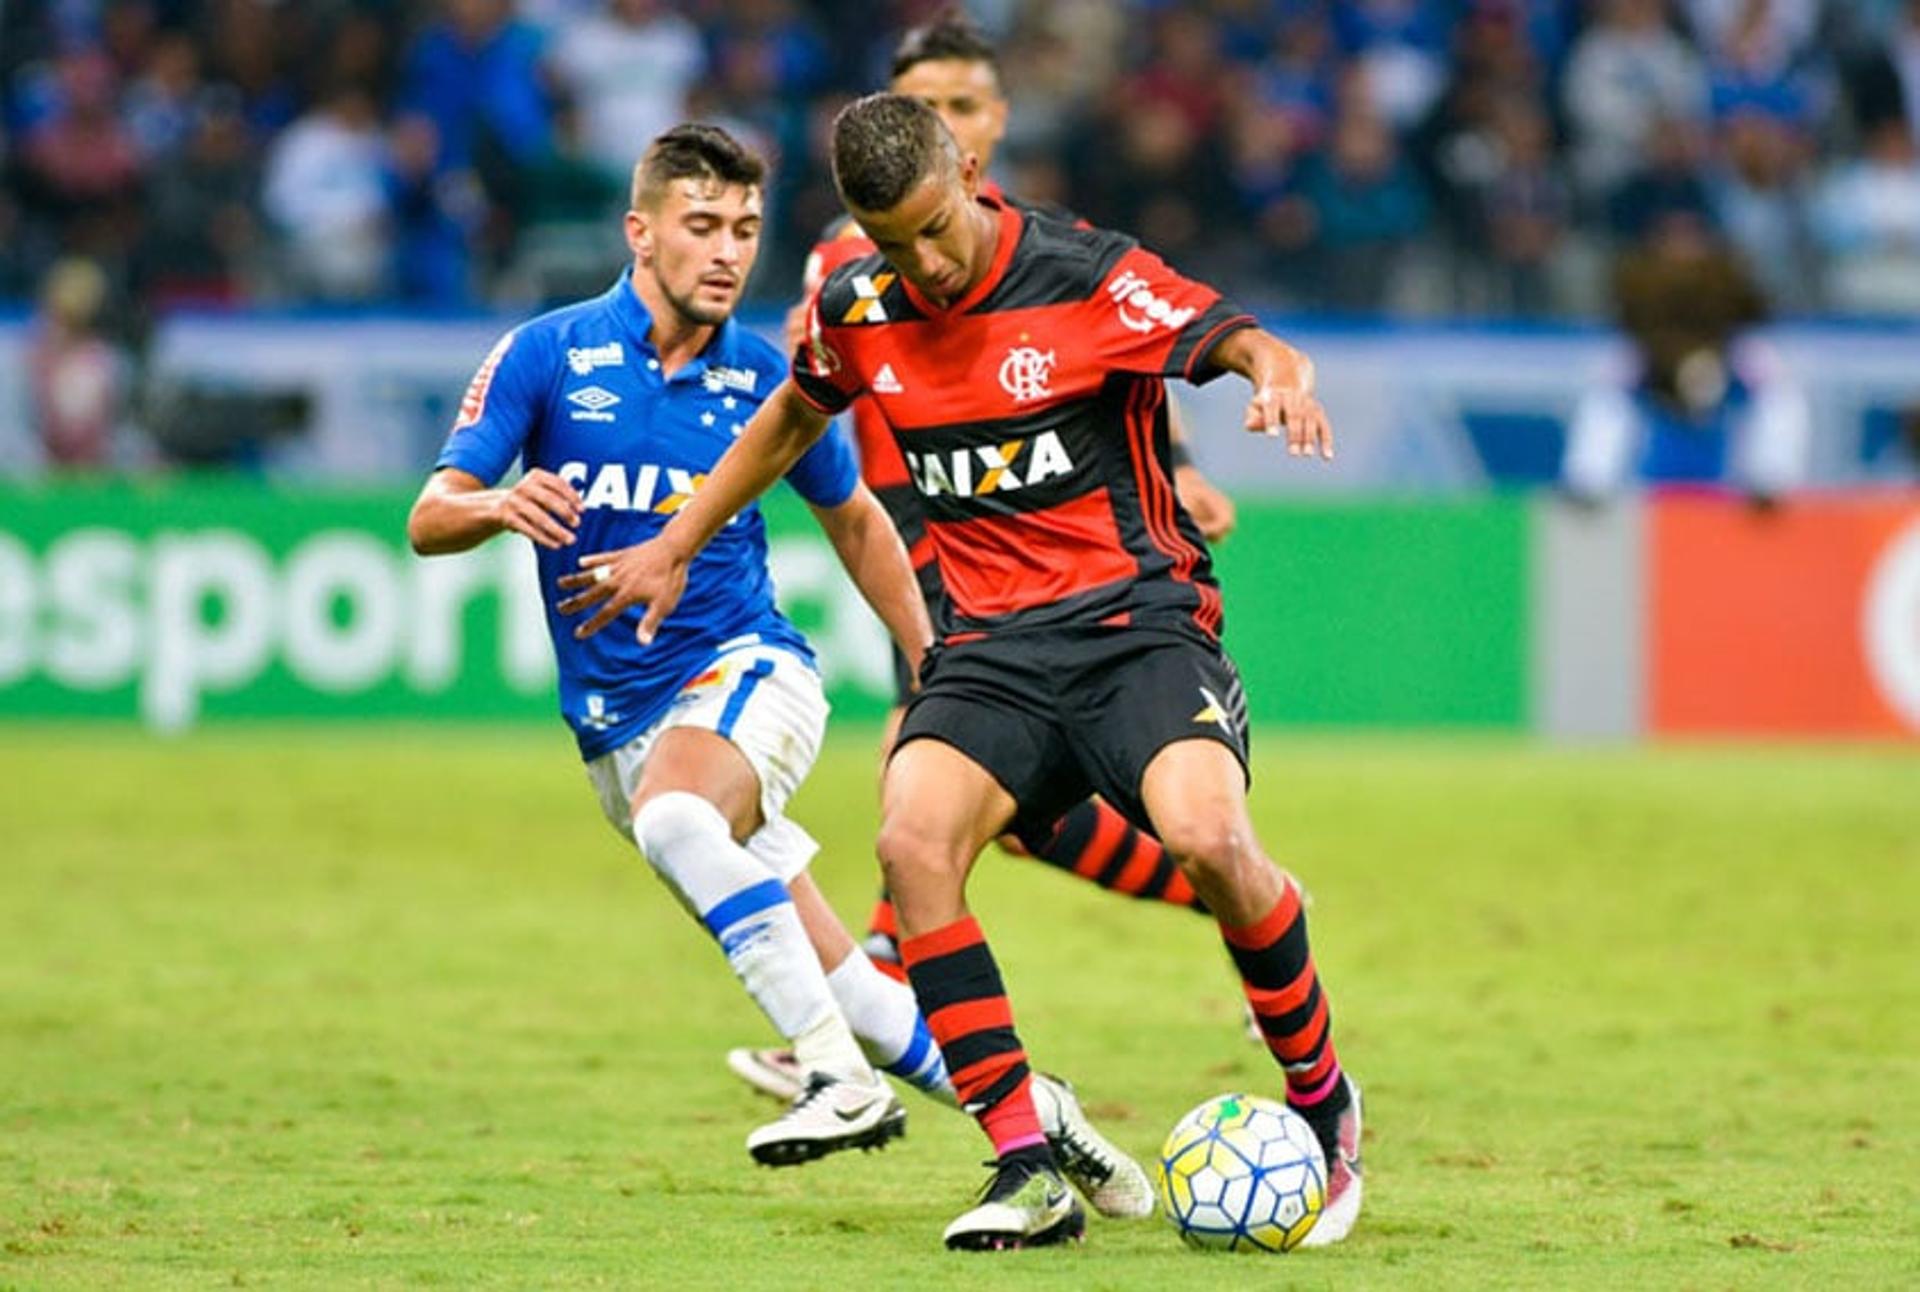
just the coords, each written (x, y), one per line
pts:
(769, 703)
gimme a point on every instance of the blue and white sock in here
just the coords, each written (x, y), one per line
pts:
(886, 1021)
(747, 910)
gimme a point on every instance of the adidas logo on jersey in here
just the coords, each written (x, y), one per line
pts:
(886, 383)
(990, 468)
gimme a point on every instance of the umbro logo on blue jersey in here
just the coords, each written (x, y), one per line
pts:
(592, 403)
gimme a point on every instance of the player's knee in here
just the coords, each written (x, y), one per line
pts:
(908, 853)
(1207, 846)
(665, 824)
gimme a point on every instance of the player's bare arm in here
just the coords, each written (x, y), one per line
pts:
(654, 573)
(869, 547)
(457, 511)
(1283, 398)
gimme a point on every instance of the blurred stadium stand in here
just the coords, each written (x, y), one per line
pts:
(1399, 159)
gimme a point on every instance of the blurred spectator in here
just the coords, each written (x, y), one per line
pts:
(1401, 45)
(78, 379)
(1525, 209)
(1184, 72)
(1867, 219)
(159, 109)
(570, 239)
(1628, 73)
(1355, 211)
(325, 191)
(1054, 62)
(248, 47)
(1701, 401)
(1143, 169)
(628, 70)
(125, 31)
(476, 75)
(1487, 151)
(1754, 66)
(1668, 180)
(1294, 86)
(434, 213)
(361, 50)
(1903, 49)
(203, 230)
(1771, 34)
(78, 168)
(1758, 192)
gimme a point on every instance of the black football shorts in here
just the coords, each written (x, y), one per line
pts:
(1057, 714)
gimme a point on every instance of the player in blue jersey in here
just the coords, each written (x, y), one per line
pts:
(617, 407)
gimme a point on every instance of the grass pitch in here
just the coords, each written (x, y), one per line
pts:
(391, 1007)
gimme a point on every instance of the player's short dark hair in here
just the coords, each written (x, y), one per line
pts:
(883, 146)
(950, 35)
(695, 151)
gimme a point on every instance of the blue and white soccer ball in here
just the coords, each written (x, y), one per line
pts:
(1242, 1173)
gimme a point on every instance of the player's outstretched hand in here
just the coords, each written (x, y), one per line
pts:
(1211, 510)
(648, 575)
(1276, 409)
(543, 507)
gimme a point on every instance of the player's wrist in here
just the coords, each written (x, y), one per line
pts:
(678, 543)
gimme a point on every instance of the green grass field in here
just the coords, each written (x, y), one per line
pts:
(358, 1007)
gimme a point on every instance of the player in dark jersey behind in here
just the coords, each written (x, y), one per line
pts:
(948, 65)
(1082, 647)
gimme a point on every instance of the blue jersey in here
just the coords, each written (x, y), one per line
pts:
(579, 392)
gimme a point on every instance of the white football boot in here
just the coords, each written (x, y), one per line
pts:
(1110, 1180)
(775, 1073)
(831, 1114)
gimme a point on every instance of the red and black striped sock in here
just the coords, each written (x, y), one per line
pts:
(882, 943)
(1096, 843)
(1276, 970)
(966, 1007)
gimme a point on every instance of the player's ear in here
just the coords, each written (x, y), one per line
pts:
(640, 236)
(970, 175)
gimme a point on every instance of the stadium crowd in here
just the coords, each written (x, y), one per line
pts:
(1424, 156)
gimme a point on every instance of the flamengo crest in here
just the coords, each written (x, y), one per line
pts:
(1025, 372)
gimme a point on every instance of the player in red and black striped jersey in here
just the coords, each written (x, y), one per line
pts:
(1022, 365)
(948, 65)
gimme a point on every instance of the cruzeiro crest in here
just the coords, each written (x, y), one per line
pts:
(1025, 372)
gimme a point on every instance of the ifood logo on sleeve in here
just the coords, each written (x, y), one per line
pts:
(1142, 311)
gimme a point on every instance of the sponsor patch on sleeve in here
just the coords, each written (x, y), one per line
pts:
(473, 405)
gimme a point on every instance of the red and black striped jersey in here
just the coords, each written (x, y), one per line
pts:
(1031, 418)
(842, 242)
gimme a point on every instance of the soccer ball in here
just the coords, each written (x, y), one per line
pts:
(1242, 1173)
